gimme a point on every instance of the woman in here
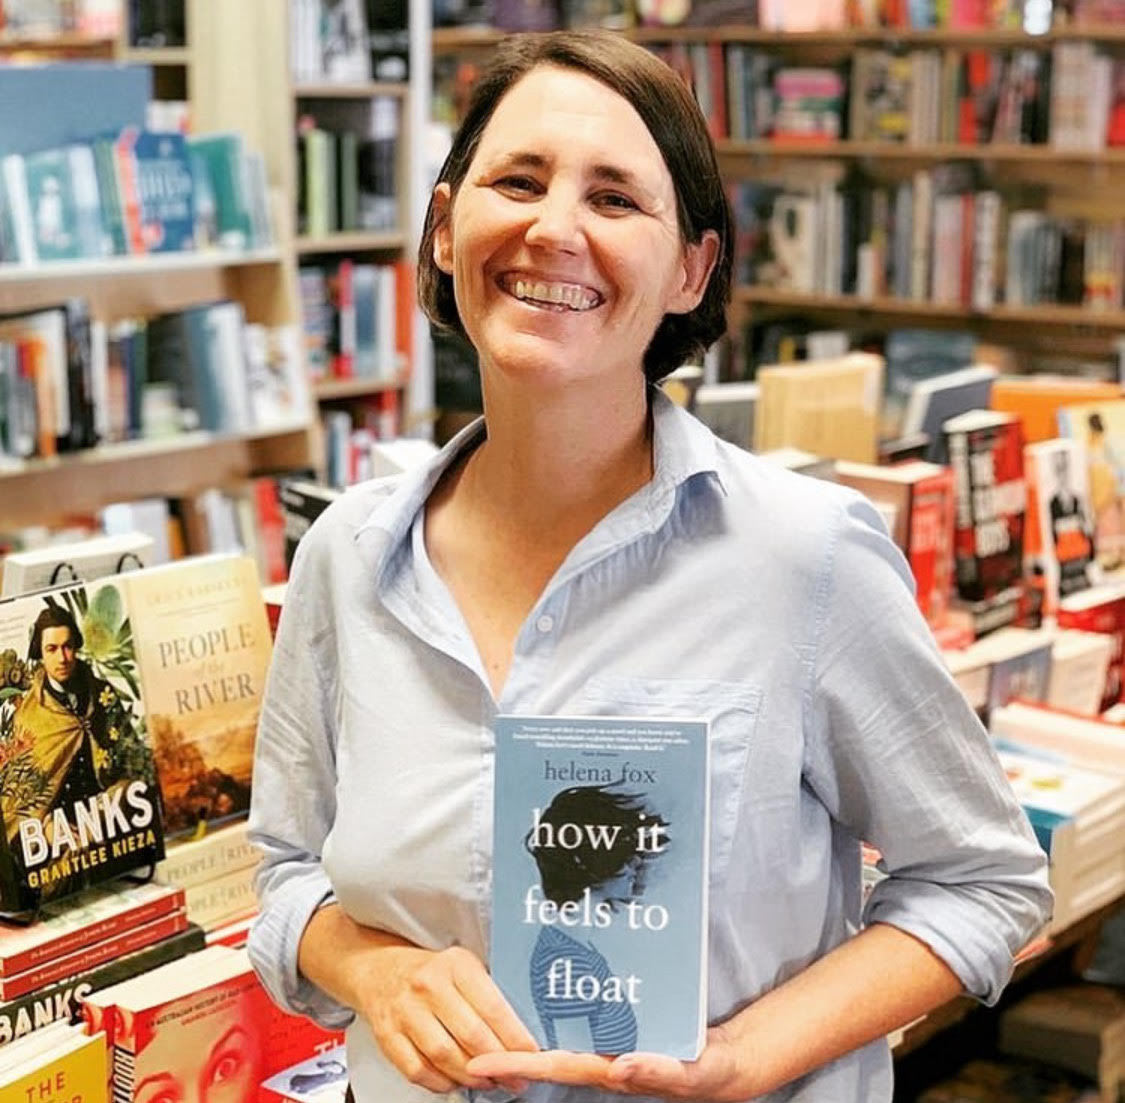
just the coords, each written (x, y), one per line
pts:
(590, 549)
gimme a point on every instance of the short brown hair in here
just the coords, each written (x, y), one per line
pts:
(53, 616)
(667, 108)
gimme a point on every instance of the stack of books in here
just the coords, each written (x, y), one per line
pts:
(1078, 816)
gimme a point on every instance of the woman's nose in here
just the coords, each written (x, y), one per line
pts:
(557, 221)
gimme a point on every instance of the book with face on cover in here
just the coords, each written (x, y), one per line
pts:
(78, 792)
(599, 890)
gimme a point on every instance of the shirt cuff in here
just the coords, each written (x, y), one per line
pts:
(274, 939)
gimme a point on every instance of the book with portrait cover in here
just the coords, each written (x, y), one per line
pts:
(78, 793)
(203, 644)
(599, 890)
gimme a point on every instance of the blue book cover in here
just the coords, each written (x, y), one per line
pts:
(599, 891)
(165, 189)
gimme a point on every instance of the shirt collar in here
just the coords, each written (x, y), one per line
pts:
(682, 448)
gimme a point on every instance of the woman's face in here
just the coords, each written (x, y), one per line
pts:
(563, 240)
(214, 1059)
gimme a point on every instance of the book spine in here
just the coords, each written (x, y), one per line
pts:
(110, 926)
(88, 957)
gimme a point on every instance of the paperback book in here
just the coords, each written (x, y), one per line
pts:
(78, 792)
(203, 643)
(599, 897)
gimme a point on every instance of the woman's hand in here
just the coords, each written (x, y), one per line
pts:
(430, 1010)
(433, 1011)
(715, 1077)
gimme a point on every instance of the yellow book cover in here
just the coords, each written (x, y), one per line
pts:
(67, 1066)
(203, 646)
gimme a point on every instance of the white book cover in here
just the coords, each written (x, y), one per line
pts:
(96, 557)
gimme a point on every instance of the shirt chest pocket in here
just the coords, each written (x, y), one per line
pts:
(732, 710)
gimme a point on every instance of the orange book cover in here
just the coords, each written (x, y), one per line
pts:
(1036, 400)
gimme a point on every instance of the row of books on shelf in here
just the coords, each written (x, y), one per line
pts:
(348, 42)
(133, 192)
(347, 166)
(356, 319)
(773, 15)
(934, 237)
(69, 381)
(1067, 98)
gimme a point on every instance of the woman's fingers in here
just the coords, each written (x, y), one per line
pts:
(404, 1055)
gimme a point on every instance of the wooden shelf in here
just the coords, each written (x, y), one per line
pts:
(157, 55)
(10, 43)
(39, 490)
(454, 39)
(1042, 315)
(899, 151)
(352, 242)
(325, 390)
(152, 264)
(337, 91)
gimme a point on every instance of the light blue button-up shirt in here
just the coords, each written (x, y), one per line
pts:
(773, 604)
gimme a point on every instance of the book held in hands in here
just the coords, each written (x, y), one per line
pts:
(599, 894)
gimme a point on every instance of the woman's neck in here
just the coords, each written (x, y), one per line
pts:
(561, 460)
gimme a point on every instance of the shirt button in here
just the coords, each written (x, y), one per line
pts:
(545, 623)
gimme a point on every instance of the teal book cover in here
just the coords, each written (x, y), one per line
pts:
(599, 881)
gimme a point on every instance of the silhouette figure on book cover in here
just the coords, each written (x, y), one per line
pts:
(569, 977)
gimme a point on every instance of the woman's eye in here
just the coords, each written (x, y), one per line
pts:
(517, 185)
(225, 1067)
(615, 201)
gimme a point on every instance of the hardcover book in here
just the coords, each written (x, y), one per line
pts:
(62, 1065)
(1101, 609)
(91, 916)
(78, 792)
(87, 957)
(986, 454)
(196, 1018)
(39, 568)
(1101, 426)
(203, 644)
(599, 894)
(922, 496)
(61, 1001)
(1059, 545)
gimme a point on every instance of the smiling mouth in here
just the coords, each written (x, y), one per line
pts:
(549, 295)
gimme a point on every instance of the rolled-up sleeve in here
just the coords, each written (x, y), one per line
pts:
(901, 761)
(294, 788)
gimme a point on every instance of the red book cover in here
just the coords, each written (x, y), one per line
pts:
(83, 920)
(986, 456)
(88, 956)
(930, 547)
(226, 1029)
(1100, 609)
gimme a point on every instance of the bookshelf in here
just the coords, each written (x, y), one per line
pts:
(224, 72)
(1077, 184)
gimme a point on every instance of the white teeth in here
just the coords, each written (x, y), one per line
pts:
(562, 294)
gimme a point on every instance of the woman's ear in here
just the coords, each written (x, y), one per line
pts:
(698, 262)
(442, 205)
